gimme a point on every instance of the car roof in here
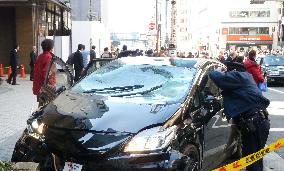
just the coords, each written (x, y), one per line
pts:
(272, 56)
(144, 60)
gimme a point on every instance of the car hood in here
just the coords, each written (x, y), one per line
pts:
(100, 113)
(81, 125)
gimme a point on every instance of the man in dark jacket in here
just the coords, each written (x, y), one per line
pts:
(78, 62)
(93, 54)
(246, 105)
(14, 62)
(124, 52)
(32, 62)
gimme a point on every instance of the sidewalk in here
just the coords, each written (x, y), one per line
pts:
(16, 103)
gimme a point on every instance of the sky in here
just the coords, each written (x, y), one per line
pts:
(130, 15)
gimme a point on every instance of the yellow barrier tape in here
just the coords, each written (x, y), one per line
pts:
(250, 159)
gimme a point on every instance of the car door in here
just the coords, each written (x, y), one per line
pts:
(58, 78)
(217, 130)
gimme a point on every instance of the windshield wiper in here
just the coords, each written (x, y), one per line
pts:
(136, 93)
(114, 89)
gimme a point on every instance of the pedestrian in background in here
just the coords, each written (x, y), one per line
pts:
(232, 56)
(14, 62)
(253, 68)
(93, 54)
(106, 53)
(33, 56)
(162, 52)
(124, 52)
(41, 66)
(190, 55)
(78, 62)
(86, 57)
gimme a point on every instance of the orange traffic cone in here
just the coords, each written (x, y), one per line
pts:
(23, 74)
(1, 71)
(9, 71)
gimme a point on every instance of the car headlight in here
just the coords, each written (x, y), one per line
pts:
(38, 127)
(151, 139)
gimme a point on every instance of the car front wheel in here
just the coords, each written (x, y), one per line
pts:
(192, 160)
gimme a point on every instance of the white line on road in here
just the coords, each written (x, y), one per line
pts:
(282, 92)
(276, 129)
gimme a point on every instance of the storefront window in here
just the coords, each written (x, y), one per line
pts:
(58, 20)
(248, 30)
(249, 14)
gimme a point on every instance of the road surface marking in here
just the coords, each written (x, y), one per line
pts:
(276, 108)
(282, 92)
(276, 129)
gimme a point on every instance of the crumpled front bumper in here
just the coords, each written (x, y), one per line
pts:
(158, 161)
(164, 161)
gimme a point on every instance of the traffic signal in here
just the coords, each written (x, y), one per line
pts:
(172, 46)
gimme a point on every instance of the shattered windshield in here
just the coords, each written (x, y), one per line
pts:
(138, 82)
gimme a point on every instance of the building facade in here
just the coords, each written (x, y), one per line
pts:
(27, 23)
(90, 24)
(235, 25)
(248, 25)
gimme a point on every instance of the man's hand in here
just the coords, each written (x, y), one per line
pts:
(221, 69)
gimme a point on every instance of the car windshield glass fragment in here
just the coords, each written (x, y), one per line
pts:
(274, 60)
(139, 83)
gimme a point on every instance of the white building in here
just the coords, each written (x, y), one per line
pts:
(90, 24)
(183, 41)
(224, 24)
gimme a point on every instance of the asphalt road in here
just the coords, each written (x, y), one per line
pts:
(276, 115)
(16, 103)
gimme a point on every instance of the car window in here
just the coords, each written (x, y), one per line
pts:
(58, 75)
(274, 60)
(138, 83)
(208, 87)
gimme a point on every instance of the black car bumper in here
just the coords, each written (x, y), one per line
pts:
(159, 161)
(275, 79)
(167, 161)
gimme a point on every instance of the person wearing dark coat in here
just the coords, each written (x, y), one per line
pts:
(14, 62)
(78, 62)
(245, 104)
(33, 56)
(124, 52)
(93, 54)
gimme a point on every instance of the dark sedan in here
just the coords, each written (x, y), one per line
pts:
(133, 113)
(273, 68)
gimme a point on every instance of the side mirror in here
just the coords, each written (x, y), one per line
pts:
(212, 104)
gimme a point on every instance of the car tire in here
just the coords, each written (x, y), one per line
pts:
(192, 161)
(238, 152)
(21, 153)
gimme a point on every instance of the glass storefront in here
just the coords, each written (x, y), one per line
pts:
(250, 14)
(248, 30)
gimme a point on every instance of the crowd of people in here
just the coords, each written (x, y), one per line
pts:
(242, 72)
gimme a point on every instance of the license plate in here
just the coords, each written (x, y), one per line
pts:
(69, 166)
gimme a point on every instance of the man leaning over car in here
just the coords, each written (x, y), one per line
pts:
(244, 103)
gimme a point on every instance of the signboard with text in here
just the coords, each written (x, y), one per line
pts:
(249, 38)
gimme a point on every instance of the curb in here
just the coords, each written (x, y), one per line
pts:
(25, 166)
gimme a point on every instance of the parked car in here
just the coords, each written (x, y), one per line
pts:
(273, 68)
(132, 113)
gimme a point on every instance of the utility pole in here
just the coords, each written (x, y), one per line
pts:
(173, 39)
(157, 26)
